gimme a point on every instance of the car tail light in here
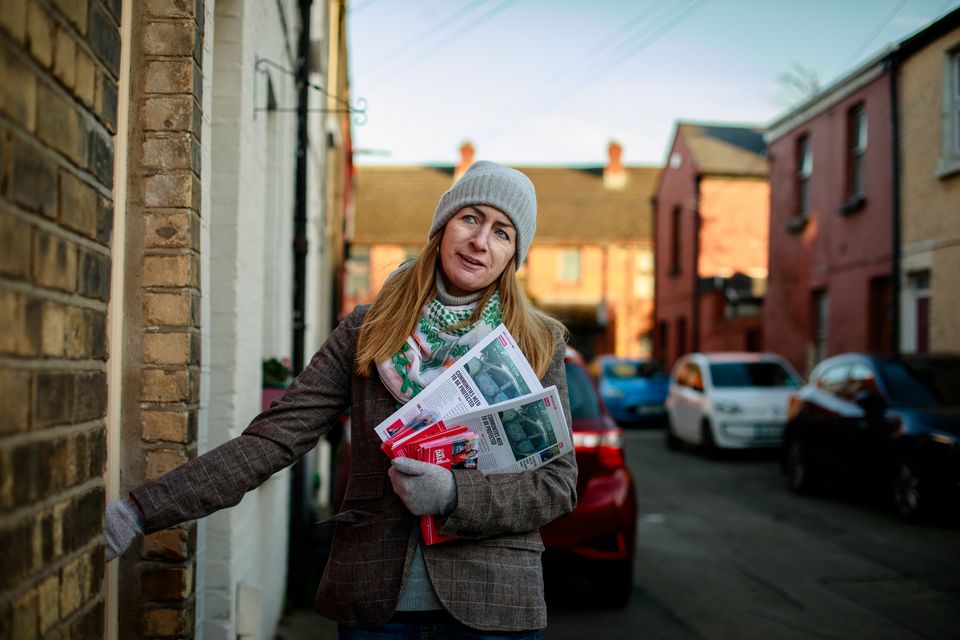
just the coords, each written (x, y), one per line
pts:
(607, 444)
(793, 406)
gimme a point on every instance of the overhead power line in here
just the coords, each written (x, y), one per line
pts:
(391, 74)
(426, 33)
(880, 27)
(360, 6)
(624, 51)
(605, 46)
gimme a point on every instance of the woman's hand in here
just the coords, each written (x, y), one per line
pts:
(122, 524)
(424, 488)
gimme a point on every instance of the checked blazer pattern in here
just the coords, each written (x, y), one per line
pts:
(490, 578)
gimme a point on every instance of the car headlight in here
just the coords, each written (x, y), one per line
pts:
(726, 406)
(613, 392)
(943, 438)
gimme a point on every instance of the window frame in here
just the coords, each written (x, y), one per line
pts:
(820, 320)
(676, 216)
(949, 163)
(804, 173)
(857, 140)
(566, 257)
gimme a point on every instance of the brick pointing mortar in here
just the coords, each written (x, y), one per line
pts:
(56, 152)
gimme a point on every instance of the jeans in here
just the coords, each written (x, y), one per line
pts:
(432, 631)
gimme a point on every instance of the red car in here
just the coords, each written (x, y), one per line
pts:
(601, 531)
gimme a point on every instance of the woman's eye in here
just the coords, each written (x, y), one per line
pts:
(469, 217)
(503, 234)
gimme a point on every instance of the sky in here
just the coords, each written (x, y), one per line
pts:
(552, 82)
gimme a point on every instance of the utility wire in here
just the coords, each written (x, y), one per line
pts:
(354, 9)
(388, 75)
(585, 60)
(426, 33)
(656, 35)
(944, 8)
(880, 27)
(653, 37)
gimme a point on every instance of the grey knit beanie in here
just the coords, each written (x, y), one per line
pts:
(497, 186)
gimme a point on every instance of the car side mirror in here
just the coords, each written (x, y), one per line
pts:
(872, 403)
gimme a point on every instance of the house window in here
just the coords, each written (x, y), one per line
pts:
(663, 341)
(569, 267)
(917, 317)
(675, 240)
(358, 272)
(804, 170)
(950, 153)
(681, 336)
(819, 309)
(880, 318)
(857, 136)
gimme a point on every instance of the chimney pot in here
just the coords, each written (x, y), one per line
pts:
(614, 175)
(466, 159)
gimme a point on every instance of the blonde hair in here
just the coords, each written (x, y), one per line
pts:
(396, 310)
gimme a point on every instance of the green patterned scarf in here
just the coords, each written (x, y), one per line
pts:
(434, 346)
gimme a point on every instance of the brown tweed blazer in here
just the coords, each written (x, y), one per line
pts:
(489, 578)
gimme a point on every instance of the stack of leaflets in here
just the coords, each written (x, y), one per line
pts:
(487, 412)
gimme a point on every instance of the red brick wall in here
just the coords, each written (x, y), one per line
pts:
(835, 252)
(59, 67)
(673, 293)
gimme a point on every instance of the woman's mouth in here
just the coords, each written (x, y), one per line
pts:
(470, 261)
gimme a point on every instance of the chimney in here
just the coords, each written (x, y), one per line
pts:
(614, 175)
(466, 159)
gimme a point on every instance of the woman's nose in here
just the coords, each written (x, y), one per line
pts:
(481, 237)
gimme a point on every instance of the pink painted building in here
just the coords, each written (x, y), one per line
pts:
(831, 222)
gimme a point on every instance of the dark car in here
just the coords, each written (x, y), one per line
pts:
(891, 423)
(600, 532)
(634, 390)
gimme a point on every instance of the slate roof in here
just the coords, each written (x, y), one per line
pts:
(727, 150)
(395, 204)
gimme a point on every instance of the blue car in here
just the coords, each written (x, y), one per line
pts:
(634, 390)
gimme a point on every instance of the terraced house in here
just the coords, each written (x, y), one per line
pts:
(148, 186)
(591, 262)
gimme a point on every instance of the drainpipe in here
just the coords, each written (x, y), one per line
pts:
(300, 508)
(695, 316)
(657, 338)
(891, 65)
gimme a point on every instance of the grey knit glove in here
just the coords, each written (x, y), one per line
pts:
(122, 524)
(424, 488)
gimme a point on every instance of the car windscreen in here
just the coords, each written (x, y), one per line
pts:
(751, 374)
(583, 400)
(625, 369)
(920, 382)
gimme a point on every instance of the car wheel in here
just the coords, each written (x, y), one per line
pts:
(908, 496)
(796, 467)
(708, 443)
(614, 583)
(673, 442)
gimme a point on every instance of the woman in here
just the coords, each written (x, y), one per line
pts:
(380, 580)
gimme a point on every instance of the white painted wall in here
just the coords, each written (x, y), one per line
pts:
(249, 181)
(203, 412)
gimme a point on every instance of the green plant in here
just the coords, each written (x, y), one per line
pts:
(276, 374)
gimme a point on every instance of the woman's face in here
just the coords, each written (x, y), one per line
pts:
(478, 242)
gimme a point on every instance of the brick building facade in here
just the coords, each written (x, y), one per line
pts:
(928, 98)
(59, 69)
(831, 222)
(710, 234)
(128, 343)
(596, 277)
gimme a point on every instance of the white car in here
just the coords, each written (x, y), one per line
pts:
(730, 400)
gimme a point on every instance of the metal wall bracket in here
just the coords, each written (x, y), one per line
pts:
(358, 108)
